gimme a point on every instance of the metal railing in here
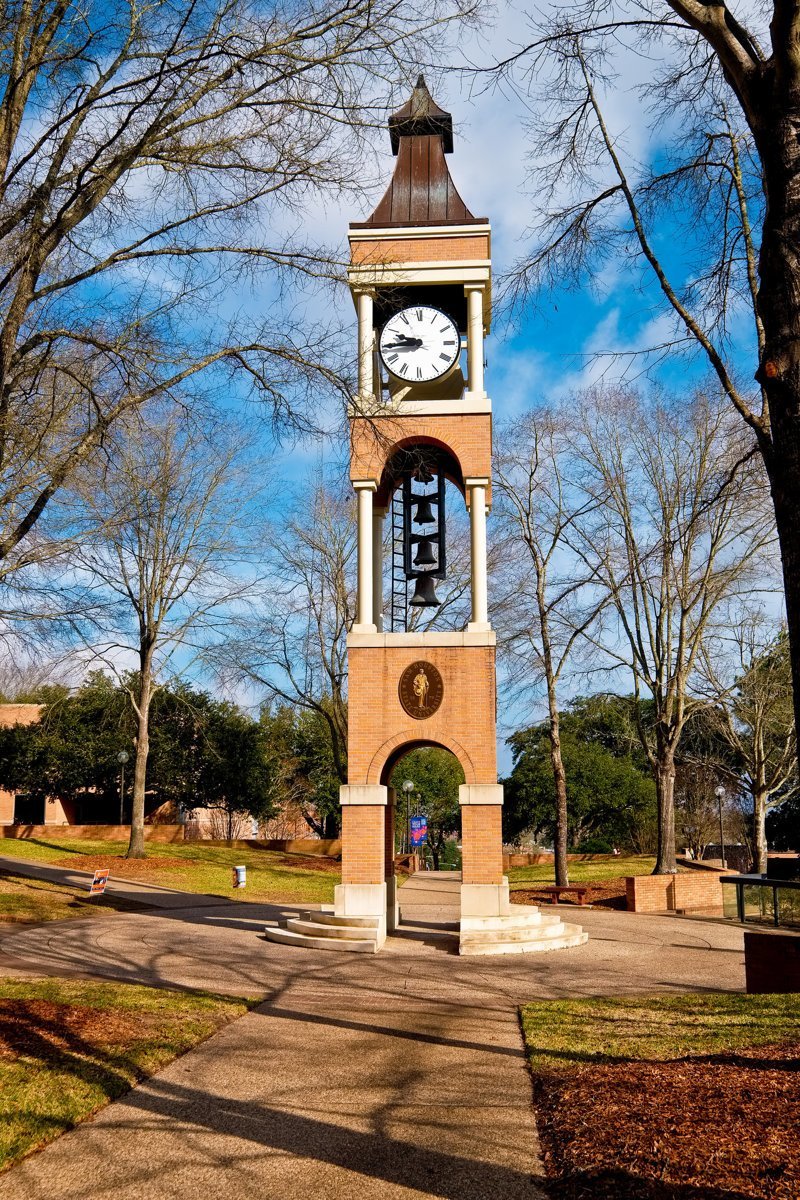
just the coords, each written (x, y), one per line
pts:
(758, 899)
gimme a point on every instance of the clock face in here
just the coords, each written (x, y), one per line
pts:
(419, 344)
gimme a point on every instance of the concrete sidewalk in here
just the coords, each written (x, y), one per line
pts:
(386, 1077)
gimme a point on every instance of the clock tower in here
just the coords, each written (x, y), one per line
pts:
(420, 276)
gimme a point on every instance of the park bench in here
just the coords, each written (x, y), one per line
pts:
(554, 892)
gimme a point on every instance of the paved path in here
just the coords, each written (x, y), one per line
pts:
(399, 1075)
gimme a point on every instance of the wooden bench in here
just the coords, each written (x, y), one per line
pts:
(554, 892)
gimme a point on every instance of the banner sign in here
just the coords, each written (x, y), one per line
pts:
(419, 830)
(98, 884)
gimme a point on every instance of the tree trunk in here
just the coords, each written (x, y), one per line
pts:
(760, 832)
(136, 843)
(779, 370)
(665, 799)
(560, 781)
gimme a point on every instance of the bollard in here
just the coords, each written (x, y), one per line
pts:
(239, 877)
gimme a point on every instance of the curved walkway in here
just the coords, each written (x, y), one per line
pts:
(399, 1075)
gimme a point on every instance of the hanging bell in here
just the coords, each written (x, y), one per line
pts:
(424, 514)
(426, 555)
(424, 593)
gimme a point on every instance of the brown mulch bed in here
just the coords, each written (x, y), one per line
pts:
(608, 894)
(33, 1026)
(129, 868)
(722, 1127)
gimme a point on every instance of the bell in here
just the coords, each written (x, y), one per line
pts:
(424, 513)
(425, 556)
(424, 593)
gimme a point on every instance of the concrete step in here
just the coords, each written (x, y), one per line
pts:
(329, 918)
(512, 933)
(496, 943)
(526, 918)
(288, 937)
(345, 933)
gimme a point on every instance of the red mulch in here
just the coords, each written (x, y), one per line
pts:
(723, 1127)
(129, 868)
(43, 1029)
(139, 868)
(608, 894)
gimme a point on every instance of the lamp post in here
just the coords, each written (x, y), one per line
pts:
(122, 758)
(719, 792)
(408, 787)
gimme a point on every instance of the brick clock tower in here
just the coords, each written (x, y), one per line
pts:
(420, 276)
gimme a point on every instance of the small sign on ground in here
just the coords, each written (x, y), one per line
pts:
(98, 884)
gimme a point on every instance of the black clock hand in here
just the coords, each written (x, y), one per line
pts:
(406, 344)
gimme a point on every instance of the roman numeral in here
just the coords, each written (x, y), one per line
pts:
(403, 317)
(419, 314)
(392, 357)
(445, 357)
(419, 372)
(448, 343)
(446, 329)
(404, 368)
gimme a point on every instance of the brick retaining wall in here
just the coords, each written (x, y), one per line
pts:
(104, 833)
(688, 892)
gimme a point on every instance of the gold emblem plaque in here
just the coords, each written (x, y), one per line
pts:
(421, 690)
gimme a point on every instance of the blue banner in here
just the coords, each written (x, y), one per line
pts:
(419, 830)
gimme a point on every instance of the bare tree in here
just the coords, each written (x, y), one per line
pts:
(754, 714)
(722, 94)
(679, 527)
(155, 161)
(165, 552)
(538, 507)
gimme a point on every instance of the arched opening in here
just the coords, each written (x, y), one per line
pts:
(424, 778)
(425, 560)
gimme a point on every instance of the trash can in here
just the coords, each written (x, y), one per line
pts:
(239, 877)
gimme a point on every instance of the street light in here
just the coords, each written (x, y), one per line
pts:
(719, 792)
(408, 787)
(122, 758)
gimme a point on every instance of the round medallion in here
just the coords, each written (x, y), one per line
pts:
(421, 690)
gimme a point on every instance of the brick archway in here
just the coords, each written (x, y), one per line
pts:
(387, 755)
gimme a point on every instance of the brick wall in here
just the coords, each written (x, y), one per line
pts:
(468, 436)
(363, 843)
(464, 723)
(482, 843)
(771, 961)
(464, 248)
(110, 833)
(675, 893)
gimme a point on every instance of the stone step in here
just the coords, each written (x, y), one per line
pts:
(343, 933)
(512, 933)
(522, 920)
(288, 937)
(496, 943)
(329, 918)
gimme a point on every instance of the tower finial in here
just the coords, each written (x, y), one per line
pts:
(421, 115)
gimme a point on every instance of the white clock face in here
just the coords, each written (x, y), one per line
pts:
(419, 344)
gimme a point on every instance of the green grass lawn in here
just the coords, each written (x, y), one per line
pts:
(68, 1047)
(585, 872)
(25, 901)
(645, 1098)
(192, 867)
(559, 1034)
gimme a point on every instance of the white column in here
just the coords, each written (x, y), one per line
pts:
(477, 530)
(475, 340)
(364, 622)
(366, 339)
(377, 567)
